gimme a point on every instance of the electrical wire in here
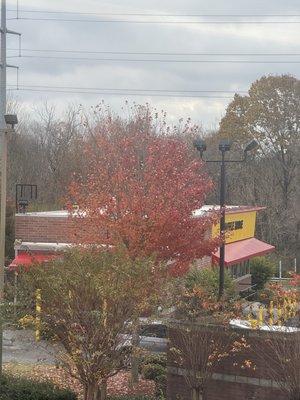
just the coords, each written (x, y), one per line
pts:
(56, 58)
(208, 94)
(129, 90)
(154, 14)
(146, 53)
(117, 94)
(152, 22)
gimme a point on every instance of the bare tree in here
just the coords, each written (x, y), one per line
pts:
(60, 141)
(280, 353)
(46, 151)
(198, 350)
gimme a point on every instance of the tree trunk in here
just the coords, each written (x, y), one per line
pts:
(91, 392)
(134, 359)
(196, 394)
(103, 390)
(95, 392)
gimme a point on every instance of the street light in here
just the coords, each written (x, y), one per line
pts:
(224, 146)
(200, 145)
(12, 120)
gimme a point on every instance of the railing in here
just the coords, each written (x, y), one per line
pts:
(276, 279)
(248, 289)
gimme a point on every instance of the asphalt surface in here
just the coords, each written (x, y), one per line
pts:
(19, 346)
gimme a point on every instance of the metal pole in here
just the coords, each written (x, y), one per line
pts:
(280, 269)
(3, 163)
(3, 209)
(3, 143)
(222, 227)
(295, 265)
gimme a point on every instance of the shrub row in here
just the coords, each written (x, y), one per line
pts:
(12, 388)
(131, 398)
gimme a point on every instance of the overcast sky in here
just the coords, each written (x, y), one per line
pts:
(160, 38)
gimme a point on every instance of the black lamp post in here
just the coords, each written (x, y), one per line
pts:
(224, 146)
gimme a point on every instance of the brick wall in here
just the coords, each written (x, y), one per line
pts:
(203, 262)
(44, 229)
(230, 381)
(220, 390)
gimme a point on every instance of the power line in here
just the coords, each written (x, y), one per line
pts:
(105, 21)
(146, 53)
(158, 60)
(154, 14)
(28, 89)
(129, 90)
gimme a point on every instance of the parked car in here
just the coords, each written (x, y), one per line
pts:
(152, 336)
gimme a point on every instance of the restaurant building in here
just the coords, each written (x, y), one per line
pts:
(42, 236)
(241, 245)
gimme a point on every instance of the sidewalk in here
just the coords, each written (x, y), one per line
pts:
(19, 346)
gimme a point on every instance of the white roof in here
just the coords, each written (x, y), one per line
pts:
(50, 246)
(40, 246)
(244, 324)
(65, 213)
(55, 214)
(209, 208)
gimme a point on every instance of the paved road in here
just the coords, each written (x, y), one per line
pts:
(20, 346)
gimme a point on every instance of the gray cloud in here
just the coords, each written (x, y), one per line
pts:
(152, 38)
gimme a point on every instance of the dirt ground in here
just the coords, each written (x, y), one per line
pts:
(23, 356)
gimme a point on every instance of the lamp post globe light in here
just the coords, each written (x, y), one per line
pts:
(224, 146)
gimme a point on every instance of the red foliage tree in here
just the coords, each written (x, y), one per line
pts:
(140, 190)
(295, 281)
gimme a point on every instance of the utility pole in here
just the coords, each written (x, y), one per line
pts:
(3, 144)
(3, 165)
(3, 133)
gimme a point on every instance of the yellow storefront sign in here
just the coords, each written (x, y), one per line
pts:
(239, 226)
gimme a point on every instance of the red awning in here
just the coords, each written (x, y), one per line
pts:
(26, 259)
(243, 250)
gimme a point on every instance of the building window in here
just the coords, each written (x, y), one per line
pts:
(234, 225)
(239, 224)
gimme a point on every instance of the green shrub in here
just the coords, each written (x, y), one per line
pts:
(160, 359)
(12, 388)
(129, 397)
(262, 269)
(153, 371)
(208, 279)
(10, 312)
(154, 368)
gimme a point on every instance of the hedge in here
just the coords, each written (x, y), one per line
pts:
(12, 388)
(262, 269)
(154, 368)
(128, 397)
